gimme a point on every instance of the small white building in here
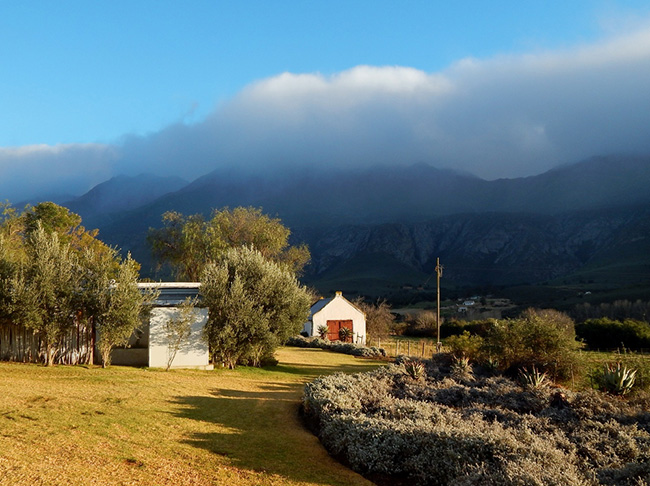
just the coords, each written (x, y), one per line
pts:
(149, 345)
(335, 313)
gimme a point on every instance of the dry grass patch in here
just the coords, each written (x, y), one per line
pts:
(87, 426)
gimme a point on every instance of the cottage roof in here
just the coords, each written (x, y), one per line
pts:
(318, 306)
(172, 293)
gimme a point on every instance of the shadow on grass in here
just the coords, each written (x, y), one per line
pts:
(315, 370)
(259, 428)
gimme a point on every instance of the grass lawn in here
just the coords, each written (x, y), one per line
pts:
(120, 426)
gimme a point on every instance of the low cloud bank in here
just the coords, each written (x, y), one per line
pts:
(508, 116)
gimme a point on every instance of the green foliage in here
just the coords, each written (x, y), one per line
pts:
(44, 291)
(541, 338)
(179, 328)
(51, 217)
(54, 273)
(606, 333)
(189, 243)
(119, 310)
(457, 327)
(254, 305)
(345, 334)
(336, 346)
(461, 368)
(467, 345)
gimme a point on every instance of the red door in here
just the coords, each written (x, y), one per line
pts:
(333, 328)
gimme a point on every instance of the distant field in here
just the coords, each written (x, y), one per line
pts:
(89, 426)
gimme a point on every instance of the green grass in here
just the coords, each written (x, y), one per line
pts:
(86, 425)
(591, 362)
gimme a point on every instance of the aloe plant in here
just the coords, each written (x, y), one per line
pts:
(322, 332)
(533, 379)
(414, 368)
(345, 334)
(461, 368)
(618, 379)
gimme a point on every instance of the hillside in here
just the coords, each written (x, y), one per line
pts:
(381, 228)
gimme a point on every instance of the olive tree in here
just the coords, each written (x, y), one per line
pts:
(44, 291)
(55, 274)
(116, 307)
(254, 305)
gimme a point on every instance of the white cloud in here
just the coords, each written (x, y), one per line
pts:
(49, 170)
(501, 117)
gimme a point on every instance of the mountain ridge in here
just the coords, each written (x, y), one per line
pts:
(509, 231)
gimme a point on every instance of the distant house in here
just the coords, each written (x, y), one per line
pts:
(469, 302)
(335, 313)
(148, 346)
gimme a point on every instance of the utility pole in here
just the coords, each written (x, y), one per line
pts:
(439, 274)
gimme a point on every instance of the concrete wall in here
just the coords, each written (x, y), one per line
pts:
(193, 353)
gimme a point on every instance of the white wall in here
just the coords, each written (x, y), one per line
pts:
(192, 354)
(339, 308)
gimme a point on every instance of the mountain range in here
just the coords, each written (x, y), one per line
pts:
(380, 228)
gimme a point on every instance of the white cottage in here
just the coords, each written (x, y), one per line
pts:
(335, 313)
(148, 345)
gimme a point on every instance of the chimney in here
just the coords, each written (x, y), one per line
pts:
(339, 293)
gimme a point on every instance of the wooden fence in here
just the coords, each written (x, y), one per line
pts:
(18, 343)
(416, 348)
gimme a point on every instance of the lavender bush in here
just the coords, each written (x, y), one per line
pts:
(488, 430)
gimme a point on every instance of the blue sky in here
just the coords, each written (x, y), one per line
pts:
(133, 78)
(91, 71)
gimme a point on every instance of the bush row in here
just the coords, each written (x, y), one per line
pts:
(608, 334)
(438, 430)
(336, 346)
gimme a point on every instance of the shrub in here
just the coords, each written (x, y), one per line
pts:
(541, 338)
(470, 346)
(441, 431)
(254, 305)
(336, 346)
(461, 368)
(322, 332)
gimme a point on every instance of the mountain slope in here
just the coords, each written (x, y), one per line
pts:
(120, 194)
(387, 225)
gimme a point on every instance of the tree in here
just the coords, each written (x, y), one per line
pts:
(179, 328)
(189, 243)
(254, 305)
(44, 291)
(378, 317)
(118, 309)
(55, 274)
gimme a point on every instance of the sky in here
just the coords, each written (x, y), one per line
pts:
(90, 90)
